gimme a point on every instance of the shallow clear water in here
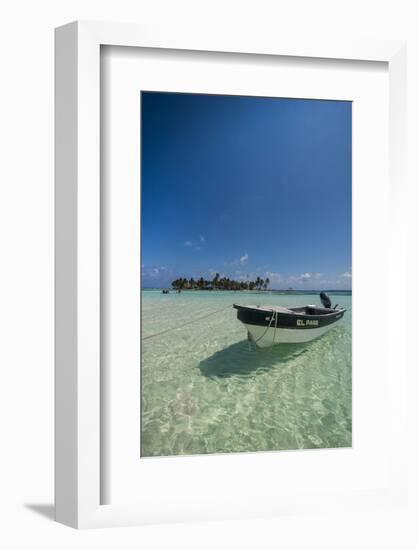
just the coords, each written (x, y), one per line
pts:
(206, 389)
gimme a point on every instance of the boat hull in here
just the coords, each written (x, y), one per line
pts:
(265, 337)
(271, 325)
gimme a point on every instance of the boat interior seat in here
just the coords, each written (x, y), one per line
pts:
(280, 309)
(318, 310)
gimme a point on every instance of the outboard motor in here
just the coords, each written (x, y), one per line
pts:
(325, 300)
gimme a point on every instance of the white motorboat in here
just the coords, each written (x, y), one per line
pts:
(268, 325)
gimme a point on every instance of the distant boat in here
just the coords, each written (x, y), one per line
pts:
(270, 325)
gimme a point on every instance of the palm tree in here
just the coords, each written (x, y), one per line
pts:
(223, 283)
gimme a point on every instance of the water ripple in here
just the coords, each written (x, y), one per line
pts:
(206, 389)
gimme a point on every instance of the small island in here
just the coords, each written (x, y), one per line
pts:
(219, 283)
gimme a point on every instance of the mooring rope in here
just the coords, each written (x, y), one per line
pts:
(276, 324)
(269, 326)
(184, 324)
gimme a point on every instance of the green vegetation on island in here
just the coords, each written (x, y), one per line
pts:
(219, 283)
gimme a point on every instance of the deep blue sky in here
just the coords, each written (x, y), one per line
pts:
(246, 186)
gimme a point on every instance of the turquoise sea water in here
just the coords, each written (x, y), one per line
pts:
(206, 389)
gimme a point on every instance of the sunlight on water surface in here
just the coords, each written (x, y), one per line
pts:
(206, 389)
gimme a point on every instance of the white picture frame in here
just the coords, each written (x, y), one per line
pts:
(78, 322)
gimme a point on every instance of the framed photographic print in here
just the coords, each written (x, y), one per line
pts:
(238, 195)
(228, 214)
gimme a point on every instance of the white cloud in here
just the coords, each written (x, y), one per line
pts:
(188, 243)
(202, 239)
(154, 272)
(274, 277)
(303, 278)
(318, 280)
(244, 258)
(197, 248)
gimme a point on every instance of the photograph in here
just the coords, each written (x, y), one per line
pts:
(246, 274)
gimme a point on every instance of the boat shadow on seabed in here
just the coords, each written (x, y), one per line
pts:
(244, 359)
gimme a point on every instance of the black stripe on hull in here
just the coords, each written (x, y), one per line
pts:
(260, 317)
